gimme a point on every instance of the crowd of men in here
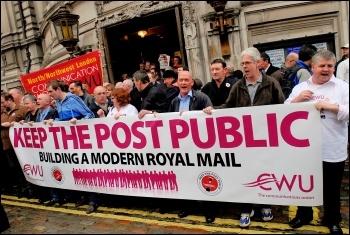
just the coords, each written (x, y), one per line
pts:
(152, 91)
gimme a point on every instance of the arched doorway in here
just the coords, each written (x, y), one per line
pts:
(127, 49)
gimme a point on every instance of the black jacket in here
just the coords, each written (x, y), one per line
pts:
(153, 99)
(135, 98)
(87, 98)
(198, 101)
(170, 92)
(51, 114)
(271, 70)
(94, 107)
(218, 95)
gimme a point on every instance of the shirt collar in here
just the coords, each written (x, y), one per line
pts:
(189, 94)
(332, 80)
(258, 81)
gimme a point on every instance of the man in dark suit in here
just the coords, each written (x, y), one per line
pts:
(265, 64)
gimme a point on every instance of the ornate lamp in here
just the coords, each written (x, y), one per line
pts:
(219, 7)
(67, 28)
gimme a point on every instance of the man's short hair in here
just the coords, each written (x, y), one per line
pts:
(30, 97)
(307, 51)
(77, 83)
(265, 56)
(169, 74)
(219, 61)
(141, 75)
(17, 89)
(7, 96)
(58, 84)
(230, 69)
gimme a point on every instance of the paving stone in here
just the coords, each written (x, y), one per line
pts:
(40, 228)
(87, 222)
(51, 230)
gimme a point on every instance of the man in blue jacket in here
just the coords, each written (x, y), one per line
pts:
(70, 108)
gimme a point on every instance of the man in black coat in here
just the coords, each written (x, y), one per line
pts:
(153, 98)
(170, 84)
(219, 87)
(265, 64)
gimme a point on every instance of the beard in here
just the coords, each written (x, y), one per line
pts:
(8, 109)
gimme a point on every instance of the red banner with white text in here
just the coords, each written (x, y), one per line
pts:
(86, 68)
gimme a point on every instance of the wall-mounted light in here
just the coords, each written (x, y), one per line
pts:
(220, 25)
(67, 29)
(221, 22)
(142, 33)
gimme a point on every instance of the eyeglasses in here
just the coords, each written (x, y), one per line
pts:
(247, 63)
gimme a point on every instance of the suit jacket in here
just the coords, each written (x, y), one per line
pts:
(271, 70)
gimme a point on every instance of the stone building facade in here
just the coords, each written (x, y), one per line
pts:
(191, 29)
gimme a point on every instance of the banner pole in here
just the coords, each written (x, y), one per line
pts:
(22, 86)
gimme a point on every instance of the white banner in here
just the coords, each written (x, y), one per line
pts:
(263, 154)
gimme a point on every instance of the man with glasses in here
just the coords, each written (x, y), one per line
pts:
(255, 88)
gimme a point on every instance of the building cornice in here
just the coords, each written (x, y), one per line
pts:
(135, 11)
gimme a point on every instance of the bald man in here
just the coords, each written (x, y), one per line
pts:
(290, 64)
(101, 102)
(189, 99)
(134, 93)
(46, 112)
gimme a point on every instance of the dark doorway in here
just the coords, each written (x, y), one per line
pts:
(127, 49)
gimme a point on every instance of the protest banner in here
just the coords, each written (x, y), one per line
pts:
(86, 68)
(262, 154)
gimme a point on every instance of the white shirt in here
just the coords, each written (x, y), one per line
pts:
(334, 126)
(127, 110)
(267, 68)
(343, 70)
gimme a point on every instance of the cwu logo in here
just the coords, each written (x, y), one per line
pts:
(267, 181)
(33, 170)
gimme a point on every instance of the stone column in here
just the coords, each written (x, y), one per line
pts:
(192, 41)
